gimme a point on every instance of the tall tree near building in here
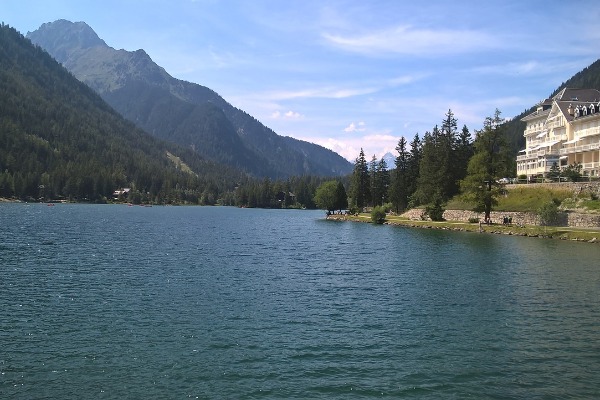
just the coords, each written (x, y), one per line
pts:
(489, 163)
(360, 186)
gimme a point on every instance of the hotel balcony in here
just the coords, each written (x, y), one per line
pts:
(580, 149)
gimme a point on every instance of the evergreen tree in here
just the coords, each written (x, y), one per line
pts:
(464, 152)
(399, 188)
(443, 163)
(554, 172)
(341, 198)
(448, 162)
(414, 165)
(488, 164)
(380, 181)
(373, 189)
(428, 183)
(360, 184)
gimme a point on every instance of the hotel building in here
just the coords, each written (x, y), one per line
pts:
(564, 130)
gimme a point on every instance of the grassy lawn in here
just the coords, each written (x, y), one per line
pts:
(530, 199)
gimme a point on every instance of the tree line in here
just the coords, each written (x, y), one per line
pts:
(431, 170)
(60, 140)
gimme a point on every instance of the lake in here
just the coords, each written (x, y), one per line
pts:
(111, 302)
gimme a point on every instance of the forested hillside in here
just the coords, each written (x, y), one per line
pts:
(182, 112)
(59, 139)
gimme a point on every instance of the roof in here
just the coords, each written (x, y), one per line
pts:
(563, 99)
(583, 95)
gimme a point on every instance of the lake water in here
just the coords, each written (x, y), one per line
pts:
(112, 302)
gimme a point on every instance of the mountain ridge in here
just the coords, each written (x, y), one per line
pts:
(60, 139)
(125, 80)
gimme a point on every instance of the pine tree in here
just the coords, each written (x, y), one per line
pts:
(428, 184)
(399, 188)
(464, 152)
(374, 185)
(360, 185)
(441, 166)
(447, 167)
(488, 164)
(414, 165)
(380, 182)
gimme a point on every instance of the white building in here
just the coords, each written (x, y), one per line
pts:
(563, 130)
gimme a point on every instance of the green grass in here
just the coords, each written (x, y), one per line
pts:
(575, 203)
(525, 199)
(531, 199)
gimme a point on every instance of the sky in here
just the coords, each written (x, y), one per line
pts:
(349, 74)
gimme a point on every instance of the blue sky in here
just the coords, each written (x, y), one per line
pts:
(349, 74)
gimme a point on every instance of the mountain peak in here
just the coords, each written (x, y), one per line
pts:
(178, 111)
(64, 37)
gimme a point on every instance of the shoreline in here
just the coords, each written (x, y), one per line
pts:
(588, 235)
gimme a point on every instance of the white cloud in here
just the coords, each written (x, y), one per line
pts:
(406, 79)
(349, 147)
(359, 127)
(292, 114)
(287, 115)
(414, 41)
(323, 92)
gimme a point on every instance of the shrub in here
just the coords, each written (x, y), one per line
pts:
(548, 214)
(473, 220)
(435, 211)
(378, 215)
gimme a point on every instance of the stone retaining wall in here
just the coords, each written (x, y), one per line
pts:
(520, 218)
(573, 219)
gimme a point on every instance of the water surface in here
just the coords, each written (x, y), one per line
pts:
(114, 302)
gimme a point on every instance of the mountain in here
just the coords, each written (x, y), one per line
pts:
(182, 112)
(390, 160)
(60, 139)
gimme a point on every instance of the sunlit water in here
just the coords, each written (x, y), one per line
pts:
(111, 302)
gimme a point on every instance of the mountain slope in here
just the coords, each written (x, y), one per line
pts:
(180, 111)
(60, 139)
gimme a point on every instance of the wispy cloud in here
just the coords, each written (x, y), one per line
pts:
(322, 92)
(287, 115)
(359, 127)
(414, 41)
(406, 79)
(529, 67)
(373, 144)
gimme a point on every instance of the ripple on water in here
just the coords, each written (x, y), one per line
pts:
(123, 302)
